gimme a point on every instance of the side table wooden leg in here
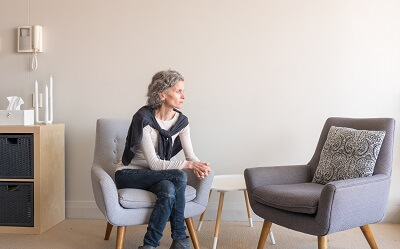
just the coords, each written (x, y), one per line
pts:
(202, 215)
(246, 197)
(271, 235)
(221, 203)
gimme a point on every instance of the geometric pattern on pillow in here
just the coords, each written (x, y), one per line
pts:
(348, 153)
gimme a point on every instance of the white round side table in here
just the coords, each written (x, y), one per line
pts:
(227, 183)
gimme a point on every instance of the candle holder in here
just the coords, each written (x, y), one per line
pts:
(48, 104)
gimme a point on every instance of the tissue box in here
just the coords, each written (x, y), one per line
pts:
(17, 117)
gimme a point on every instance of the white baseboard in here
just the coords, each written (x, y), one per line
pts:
(392, 214)
(231, 211)
(82, 210)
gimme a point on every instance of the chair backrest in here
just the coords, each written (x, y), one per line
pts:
(110, 143)
(384, 162)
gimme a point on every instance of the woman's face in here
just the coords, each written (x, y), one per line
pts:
(175, 95)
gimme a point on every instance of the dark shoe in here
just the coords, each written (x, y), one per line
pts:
(146, 247)
(181, 244)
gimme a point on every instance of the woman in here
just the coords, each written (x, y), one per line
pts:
(157, 133)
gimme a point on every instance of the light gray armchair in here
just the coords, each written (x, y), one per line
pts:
(128, 207)
(286, 195)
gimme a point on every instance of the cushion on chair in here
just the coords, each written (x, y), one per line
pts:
(139, 198)
(347, 154)
(299, 198)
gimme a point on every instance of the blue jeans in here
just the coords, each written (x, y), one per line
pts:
(169, 186)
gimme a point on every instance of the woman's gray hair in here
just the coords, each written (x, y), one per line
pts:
(161, 82)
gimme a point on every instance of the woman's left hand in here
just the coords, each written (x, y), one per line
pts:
(201, 174)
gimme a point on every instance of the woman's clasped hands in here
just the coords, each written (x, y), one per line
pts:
(200, 169)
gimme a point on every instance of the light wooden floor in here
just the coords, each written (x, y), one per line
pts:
(89, 234)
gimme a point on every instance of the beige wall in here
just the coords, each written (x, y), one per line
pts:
(261, 76)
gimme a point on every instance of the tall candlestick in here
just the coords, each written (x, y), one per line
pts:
(36, 102)
(46, 106)
(51, 100)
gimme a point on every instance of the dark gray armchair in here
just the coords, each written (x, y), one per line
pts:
(286, 195)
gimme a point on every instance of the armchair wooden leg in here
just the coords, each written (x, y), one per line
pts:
(121, 237)
(108, 231)
(192, 232)
(264, 234)
(323, 242)
(368, 235)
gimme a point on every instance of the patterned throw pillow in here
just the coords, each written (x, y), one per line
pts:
(347, 154)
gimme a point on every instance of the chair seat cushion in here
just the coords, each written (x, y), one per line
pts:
(139, 198)
(299, 198)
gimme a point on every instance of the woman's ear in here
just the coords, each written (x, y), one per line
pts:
(161, 94)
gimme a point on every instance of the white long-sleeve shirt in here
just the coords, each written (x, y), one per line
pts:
(146, 155)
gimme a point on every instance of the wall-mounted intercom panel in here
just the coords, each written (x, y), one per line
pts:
(30, 39)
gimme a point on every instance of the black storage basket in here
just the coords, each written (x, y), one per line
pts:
(16, 204)
(16, 156)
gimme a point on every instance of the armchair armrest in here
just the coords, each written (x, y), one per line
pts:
(202, 186)
(105, 192)
(351, 203)
(261, 176)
